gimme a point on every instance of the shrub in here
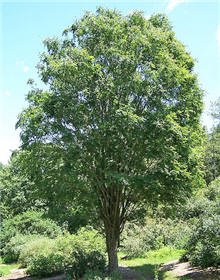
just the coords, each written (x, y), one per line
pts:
(38, 247)
(13, 248)
(175, 233)
(42, 257)
(88, 253)
(71, 253)
(27, 223)
(46, 264)
(213, 190)
(203, 248)
(137, 240)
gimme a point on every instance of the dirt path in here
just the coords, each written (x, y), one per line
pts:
(20, 274)
(184, 269)
(129, 274)
(177, 268)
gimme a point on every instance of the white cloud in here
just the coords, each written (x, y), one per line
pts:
(173, 3)
(6, 93)
(21, 64)
(26, 68)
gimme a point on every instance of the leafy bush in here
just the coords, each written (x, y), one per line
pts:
(71, 253)
(13, 248)
(137, 240)
(203, 248)
(213, 190)
(27, 223)
(197, 206)
(88, 253)
(34, 248)
(46, 264)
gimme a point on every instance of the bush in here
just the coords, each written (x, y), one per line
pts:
(42, 257)
(13, 248)
(30, 222)
(213, 190)
(203, 248)
(88, 253)
(138, 240)
(34, 248)
(46, 264)
(73, 254)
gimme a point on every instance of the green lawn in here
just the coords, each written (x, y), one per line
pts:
(5, 269)
(148, 266)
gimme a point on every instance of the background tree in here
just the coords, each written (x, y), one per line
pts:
(212, 155)
(24, 188)
(17, 193)
(120, 116)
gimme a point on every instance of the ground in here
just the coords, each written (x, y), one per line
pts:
(169, 271)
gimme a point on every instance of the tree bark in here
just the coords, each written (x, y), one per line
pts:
(112, 246)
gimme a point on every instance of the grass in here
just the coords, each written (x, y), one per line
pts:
(148, 266)
(5, 269)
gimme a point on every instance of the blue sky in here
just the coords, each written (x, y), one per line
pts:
(24, 25)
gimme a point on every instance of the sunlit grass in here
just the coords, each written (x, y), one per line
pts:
(5, 269)
(149, 265)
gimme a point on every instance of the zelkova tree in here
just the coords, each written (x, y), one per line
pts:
(122, 110)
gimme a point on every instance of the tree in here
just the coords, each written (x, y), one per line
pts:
(20, 192)
(17, 194)
(120, 114)
(212, 155)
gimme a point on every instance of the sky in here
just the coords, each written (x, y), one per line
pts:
(25, 24)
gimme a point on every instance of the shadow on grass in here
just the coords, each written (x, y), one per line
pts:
(149, 272)
(153, 272)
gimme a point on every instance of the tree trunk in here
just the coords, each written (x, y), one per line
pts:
(112, 246)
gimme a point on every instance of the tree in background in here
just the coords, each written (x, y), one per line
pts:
(20, 192)
(17, 193)
(212, 158)
(119, 122)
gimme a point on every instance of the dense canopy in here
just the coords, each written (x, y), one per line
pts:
(119, 119)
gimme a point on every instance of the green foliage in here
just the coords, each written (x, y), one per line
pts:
(203, 247)
(73, 254)
(41, 257)
(212, 156)
(30, 222)
(119, 125)
(17, 193)
(84, 260)
(138, 240)
(88, 253)
(14, 247)
(212, 159)
(212, 193)
(216, 110)
(34, 248)
(196, 206)
(45, 265)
